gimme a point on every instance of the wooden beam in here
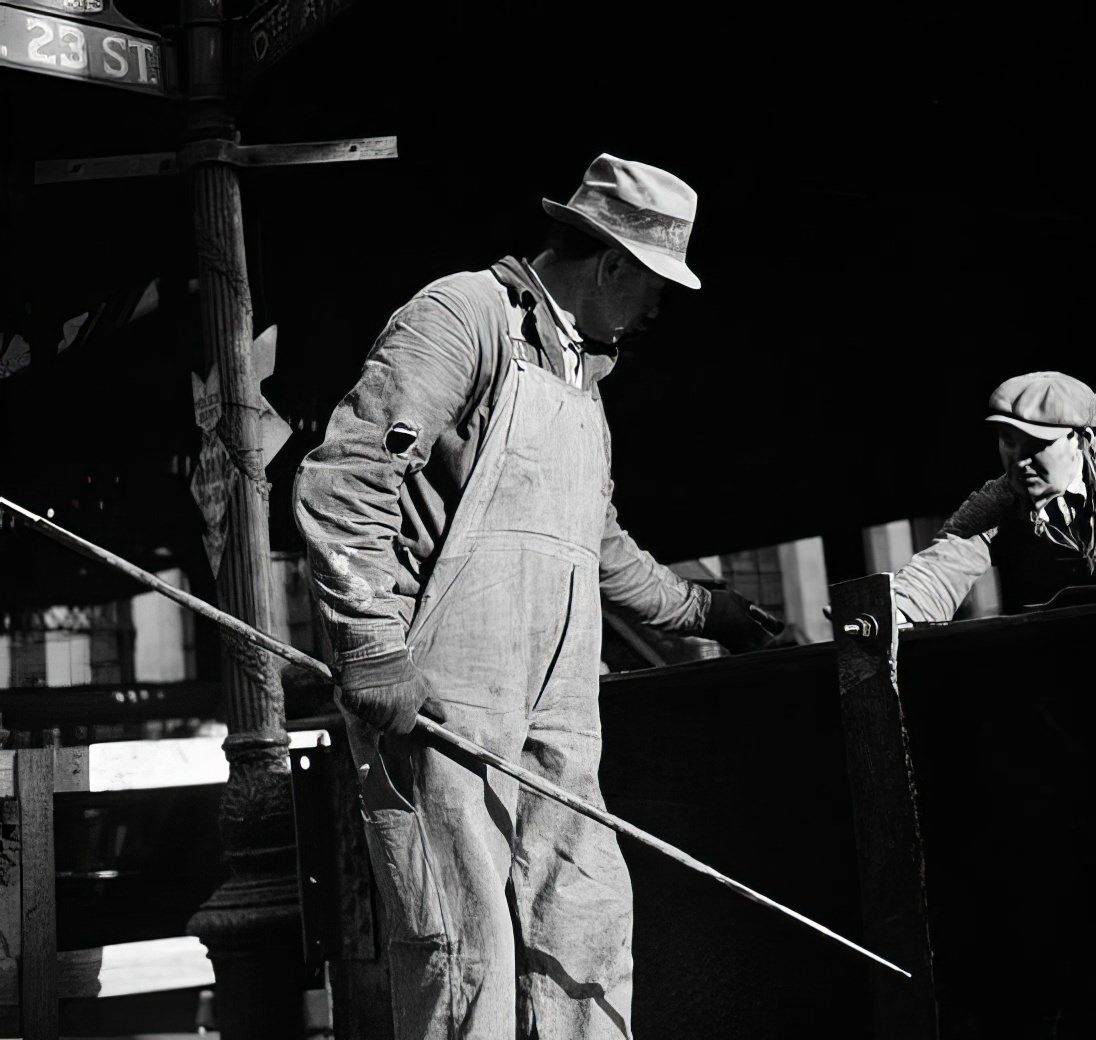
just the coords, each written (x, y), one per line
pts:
(149, 966)
(884, 803)
(11, 914)
(34, 779)
(155, 164)
(131, 765)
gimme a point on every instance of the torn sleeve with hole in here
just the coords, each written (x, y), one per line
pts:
(361, 499)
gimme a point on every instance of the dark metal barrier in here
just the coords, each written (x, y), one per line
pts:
(742, 762)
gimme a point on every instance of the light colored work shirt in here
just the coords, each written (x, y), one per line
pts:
(570, 340)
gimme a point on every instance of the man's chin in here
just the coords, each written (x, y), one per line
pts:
(1036, 492)
(1038, 495)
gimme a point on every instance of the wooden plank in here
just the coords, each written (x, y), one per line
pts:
(34, 778)
(130, 765)
(7, 774)
(11, 908)
(57, 171)
(148, 966)
(307, 152)
(78, 973)
(884, 803)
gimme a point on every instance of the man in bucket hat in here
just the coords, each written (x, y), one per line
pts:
(1034, 522)
(461, 534)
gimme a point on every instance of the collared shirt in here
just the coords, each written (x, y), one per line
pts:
(1055, 519)
(373, 501)
(933, 584)
(569, 338)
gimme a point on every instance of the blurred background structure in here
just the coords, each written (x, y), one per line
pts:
(894, 216)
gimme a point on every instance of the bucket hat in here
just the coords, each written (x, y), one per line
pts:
(644, 210)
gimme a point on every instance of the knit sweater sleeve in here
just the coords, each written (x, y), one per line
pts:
(936, 580)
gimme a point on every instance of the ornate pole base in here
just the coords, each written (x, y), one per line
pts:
(251, 925)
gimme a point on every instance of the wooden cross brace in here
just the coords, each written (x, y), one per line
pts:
(53, 171)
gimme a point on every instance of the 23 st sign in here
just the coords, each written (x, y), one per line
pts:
(112, 54)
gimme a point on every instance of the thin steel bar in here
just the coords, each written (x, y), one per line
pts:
(530, 780)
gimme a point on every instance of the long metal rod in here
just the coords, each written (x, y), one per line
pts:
(199, 606)
(523, 776)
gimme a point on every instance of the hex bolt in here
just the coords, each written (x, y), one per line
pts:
(864, 626)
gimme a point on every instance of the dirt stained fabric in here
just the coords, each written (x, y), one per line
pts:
(508, 632)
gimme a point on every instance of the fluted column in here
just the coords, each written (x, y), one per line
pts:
(251, 924)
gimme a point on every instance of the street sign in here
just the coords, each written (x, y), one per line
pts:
(277, 27)
(93, 42)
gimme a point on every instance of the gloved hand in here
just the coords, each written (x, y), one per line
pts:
(738, 624)
(385, 692)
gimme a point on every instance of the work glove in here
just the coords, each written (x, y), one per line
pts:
(738, 624)
(385, 692)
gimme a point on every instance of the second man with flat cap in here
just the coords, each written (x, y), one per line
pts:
(1034, 522)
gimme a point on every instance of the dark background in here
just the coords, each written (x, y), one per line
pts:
(893, 218)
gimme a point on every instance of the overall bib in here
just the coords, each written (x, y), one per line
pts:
(507, 911)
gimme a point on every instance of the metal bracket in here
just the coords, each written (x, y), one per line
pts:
(54, 171)
(234, 154)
